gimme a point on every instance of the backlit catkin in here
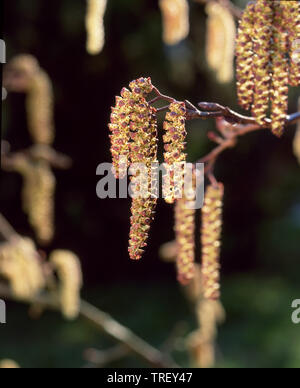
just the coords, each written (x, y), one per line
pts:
(211, 235)
(38, 196)
(24, 75)
(8, 364)
(68, 268)
(244, 58)
(221, 32)
(19, 264)
(185, 240)
(176, 23)
(174, 145)
(95, 26)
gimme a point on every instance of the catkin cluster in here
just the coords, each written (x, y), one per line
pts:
(211, 235)
(266, 61)
(23, 74)
(220, 37)
(176, 23)
(38, 196)
(134, 139)
(19, 264)
(174, 156)
(68, 268)
(95, 25)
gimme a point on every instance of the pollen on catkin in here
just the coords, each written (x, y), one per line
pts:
(20, 265)
(244, 58)
(174, 155)
(210, 236)
(68, 268)
(176, 25)
(24, 74)
(38, 196)
(221, 33)
(185, 240)
(95, 26)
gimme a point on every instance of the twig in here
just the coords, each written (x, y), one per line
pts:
(236, 11)
(105, 357)
(6, 230)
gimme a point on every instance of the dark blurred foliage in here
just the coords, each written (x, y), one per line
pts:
(261, 175)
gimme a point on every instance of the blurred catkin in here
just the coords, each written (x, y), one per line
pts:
(8, 364)
(211, 236)
(174, 145)
(20, 265)
(68, 268)
(220, 37)
(23, 74)
(95, 26)
(38, 196)
(296, 144)
(176, 25)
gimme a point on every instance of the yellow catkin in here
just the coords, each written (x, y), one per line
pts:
(68, 268)
(176, 24)
(262, 34)
(38, 196)
(291, 19)
(296, 143)
(211, 235)
(20, 265)
(8, 364)
(185, 240)
(174, 156)
(280, 73)
(244, 58)
(220, 47)
(24, 74)
(95, 26)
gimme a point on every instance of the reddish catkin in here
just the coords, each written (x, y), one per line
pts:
(211, 235)
(291, 19)
(244, 58)
(174, 156)
(185, 239)
(280, 73)
(262, 35)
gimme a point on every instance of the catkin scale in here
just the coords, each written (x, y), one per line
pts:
(68, 268)
(210, 236)
(221, 33)
(95, 26)
(176, 25)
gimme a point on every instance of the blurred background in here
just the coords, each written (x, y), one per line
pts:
(260, 256)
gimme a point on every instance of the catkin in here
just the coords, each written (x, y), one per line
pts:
(185, 240)
(296, 143)
(176, 24)
(95, 26)
(221, 33)
(174, 145)
(8, 364)
(68, 268)
(38, 196)
(211, 235)
(19, 264)
(24, 74)
(244, 58)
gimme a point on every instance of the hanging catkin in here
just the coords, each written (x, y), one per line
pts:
(95, 26)
(38, 196)
(68, 268)
(221, 33)
(176, 25)
(211, 235)
(19, 264)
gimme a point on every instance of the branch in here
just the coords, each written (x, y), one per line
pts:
(6, 230)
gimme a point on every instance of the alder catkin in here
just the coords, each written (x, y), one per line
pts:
(95, 26)
(220, 47)
(174, 156)
(176, 25)
(8, 364)
(244, 58)
(211, 236)
(20, 265)
(68, 268)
